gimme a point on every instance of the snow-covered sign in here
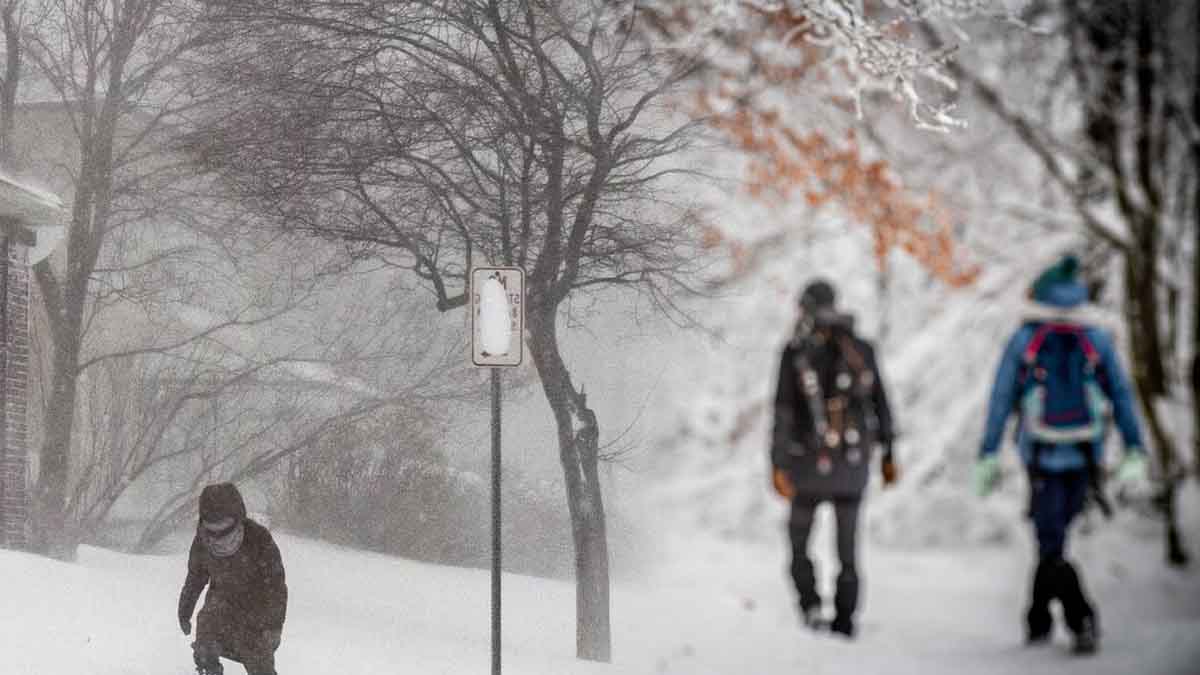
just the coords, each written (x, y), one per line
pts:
(497, 316)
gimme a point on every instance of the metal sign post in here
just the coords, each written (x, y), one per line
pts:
(497, 341)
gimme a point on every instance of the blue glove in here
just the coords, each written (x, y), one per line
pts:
(987, 474)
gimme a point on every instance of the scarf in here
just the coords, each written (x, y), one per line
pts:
(224, 541)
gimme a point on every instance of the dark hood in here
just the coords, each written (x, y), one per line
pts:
(222, 500)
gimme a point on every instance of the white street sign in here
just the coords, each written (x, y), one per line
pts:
(497, 316)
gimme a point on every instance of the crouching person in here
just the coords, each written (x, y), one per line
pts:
(243, 613)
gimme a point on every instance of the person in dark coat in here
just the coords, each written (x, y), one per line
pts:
(1058, 374)
(243, 613)
(830, 414)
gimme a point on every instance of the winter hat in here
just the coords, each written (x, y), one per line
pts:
(817, 307)
(222, 519)
(818, 297)
(1060, 285)
(1063, 272)
(221, 501)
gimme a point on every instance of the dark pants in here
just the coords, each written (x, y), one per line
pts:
(1057, 498)
(220, 634)
(800, 525)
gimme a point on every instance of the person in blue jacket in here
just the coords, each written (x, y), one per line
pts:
(1063, 378)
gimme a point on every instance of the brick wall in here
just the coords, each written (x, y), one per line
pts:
(14, 385)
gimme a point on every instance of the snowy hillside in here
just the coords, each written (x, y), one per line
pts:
(710, 607)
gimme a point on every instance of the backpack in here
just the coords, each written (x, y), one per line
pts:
(1061, 399)
(839, 399)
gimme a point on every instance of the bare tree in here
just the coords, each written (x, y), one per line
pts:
(435, 136)
(106, 61)
(159, 275)
(235, 403)
(1194, 134)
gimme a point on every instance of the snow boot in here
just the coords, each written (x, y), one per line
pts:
(1038, 639)
(842, 626)
(1078, 613)
(1087, 638)
(813, 618)
(1038, 621)
(845, 601)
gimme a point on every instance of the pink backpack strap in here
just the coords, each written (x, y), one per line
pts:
(1089, 349)
(1035, 343)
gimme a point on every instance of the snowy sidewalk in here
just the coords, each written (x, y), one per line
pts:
(711, 607)
(724, 609)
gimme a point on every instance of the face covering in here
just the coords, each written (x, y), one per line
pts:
(223, 537)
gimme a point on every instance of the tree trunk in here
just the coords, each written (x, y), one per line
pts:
(66, 302)
(1124, 30)
(11, 23)
(54, 534)
(1195, 379)
(1196, 258)
(57, 535)
(1149, 376)
(578, 443)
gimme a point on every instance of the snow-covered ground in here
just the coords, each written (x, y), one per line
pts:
(710, 605)
(704, 590)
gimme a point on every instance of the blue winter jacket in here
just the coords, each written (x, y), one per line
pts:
(1111, 376)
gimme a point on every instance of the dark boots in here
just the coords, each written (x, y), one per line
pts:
(844, 604)
(845, 601)
(1038, 621)
(1055, 578)
(1087, 638)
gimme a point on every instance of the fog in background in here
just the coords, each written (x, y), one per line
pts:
(269, 214)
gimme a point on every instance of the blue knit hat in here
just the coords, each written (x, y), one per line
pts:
(1060, 285)
(1065, 271)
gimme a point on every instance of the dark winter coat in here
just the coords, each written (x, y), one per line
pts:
(832, 464)
(247, 591)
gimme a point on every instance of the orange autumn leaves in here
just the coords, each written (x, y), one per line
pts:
(785, 161)
(787, 51)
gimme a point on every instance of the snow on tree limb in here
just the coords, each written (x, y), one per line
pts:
(786, 81)
(850, 50)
